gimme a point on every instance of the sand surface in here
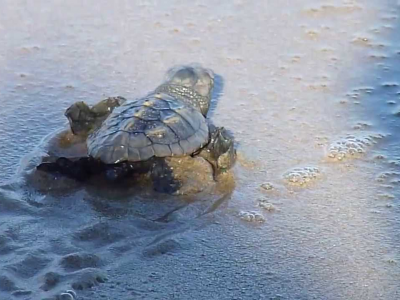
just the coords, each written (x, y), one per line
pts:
(309, 89)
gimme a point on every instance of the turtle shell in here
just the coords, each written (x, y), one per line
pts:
(158, 125)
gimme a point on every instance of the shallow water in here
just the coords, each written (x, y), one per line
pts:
(310, 91)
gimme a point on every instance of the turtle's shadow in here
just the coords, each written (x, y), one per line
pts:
(219, 84)
(216, 94)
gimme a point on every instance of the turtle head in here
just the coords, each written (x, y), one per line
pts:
(198, 79)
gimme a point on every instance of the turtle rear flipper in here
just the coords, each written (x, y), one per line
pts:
(83, 119)
(81, 169)
(163, 178)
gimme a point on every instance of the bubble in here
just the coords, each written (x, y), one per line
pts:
(355, 94)
(295, 58)
(302, 176)
(364, 89)
(388, 176)
(318, 86)
(362, 125)
(234, 59)
(352, 146)
(312, 34)
(67, 295)
(391, 261)
(330, 9)
(267, 186)
(379, 157)
(29, 49)
(378, 56)
(387, 196)
(251, 216)
(362, 41)
(389, 17)
(390, 84)
(264, 204)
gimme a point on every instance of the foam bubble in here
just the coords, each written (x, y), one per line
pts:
(387, 175)
(352, 146)
(67, 295)
(302, 176)
(331, 9)
(251, 216)
(266, 205)
(267, 186)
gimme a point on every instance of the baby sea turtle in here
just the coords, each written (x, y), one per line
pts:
(143, 136)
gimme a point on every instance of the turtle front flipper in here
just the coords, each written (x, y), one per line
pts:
(220, 151)
(83, 119)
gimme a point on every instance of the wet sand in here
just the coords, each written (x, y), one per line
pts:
(310, 91)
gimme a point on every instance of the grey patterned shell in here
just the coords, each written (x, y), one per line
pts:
(168, 122)
(158, 125)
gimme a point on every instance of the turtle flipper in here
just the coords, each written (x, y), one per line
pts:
(162, 176)
(84, 168)
(81, 169)
(80, 117)
(106, 106)
(84, 119)
(220, 151)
